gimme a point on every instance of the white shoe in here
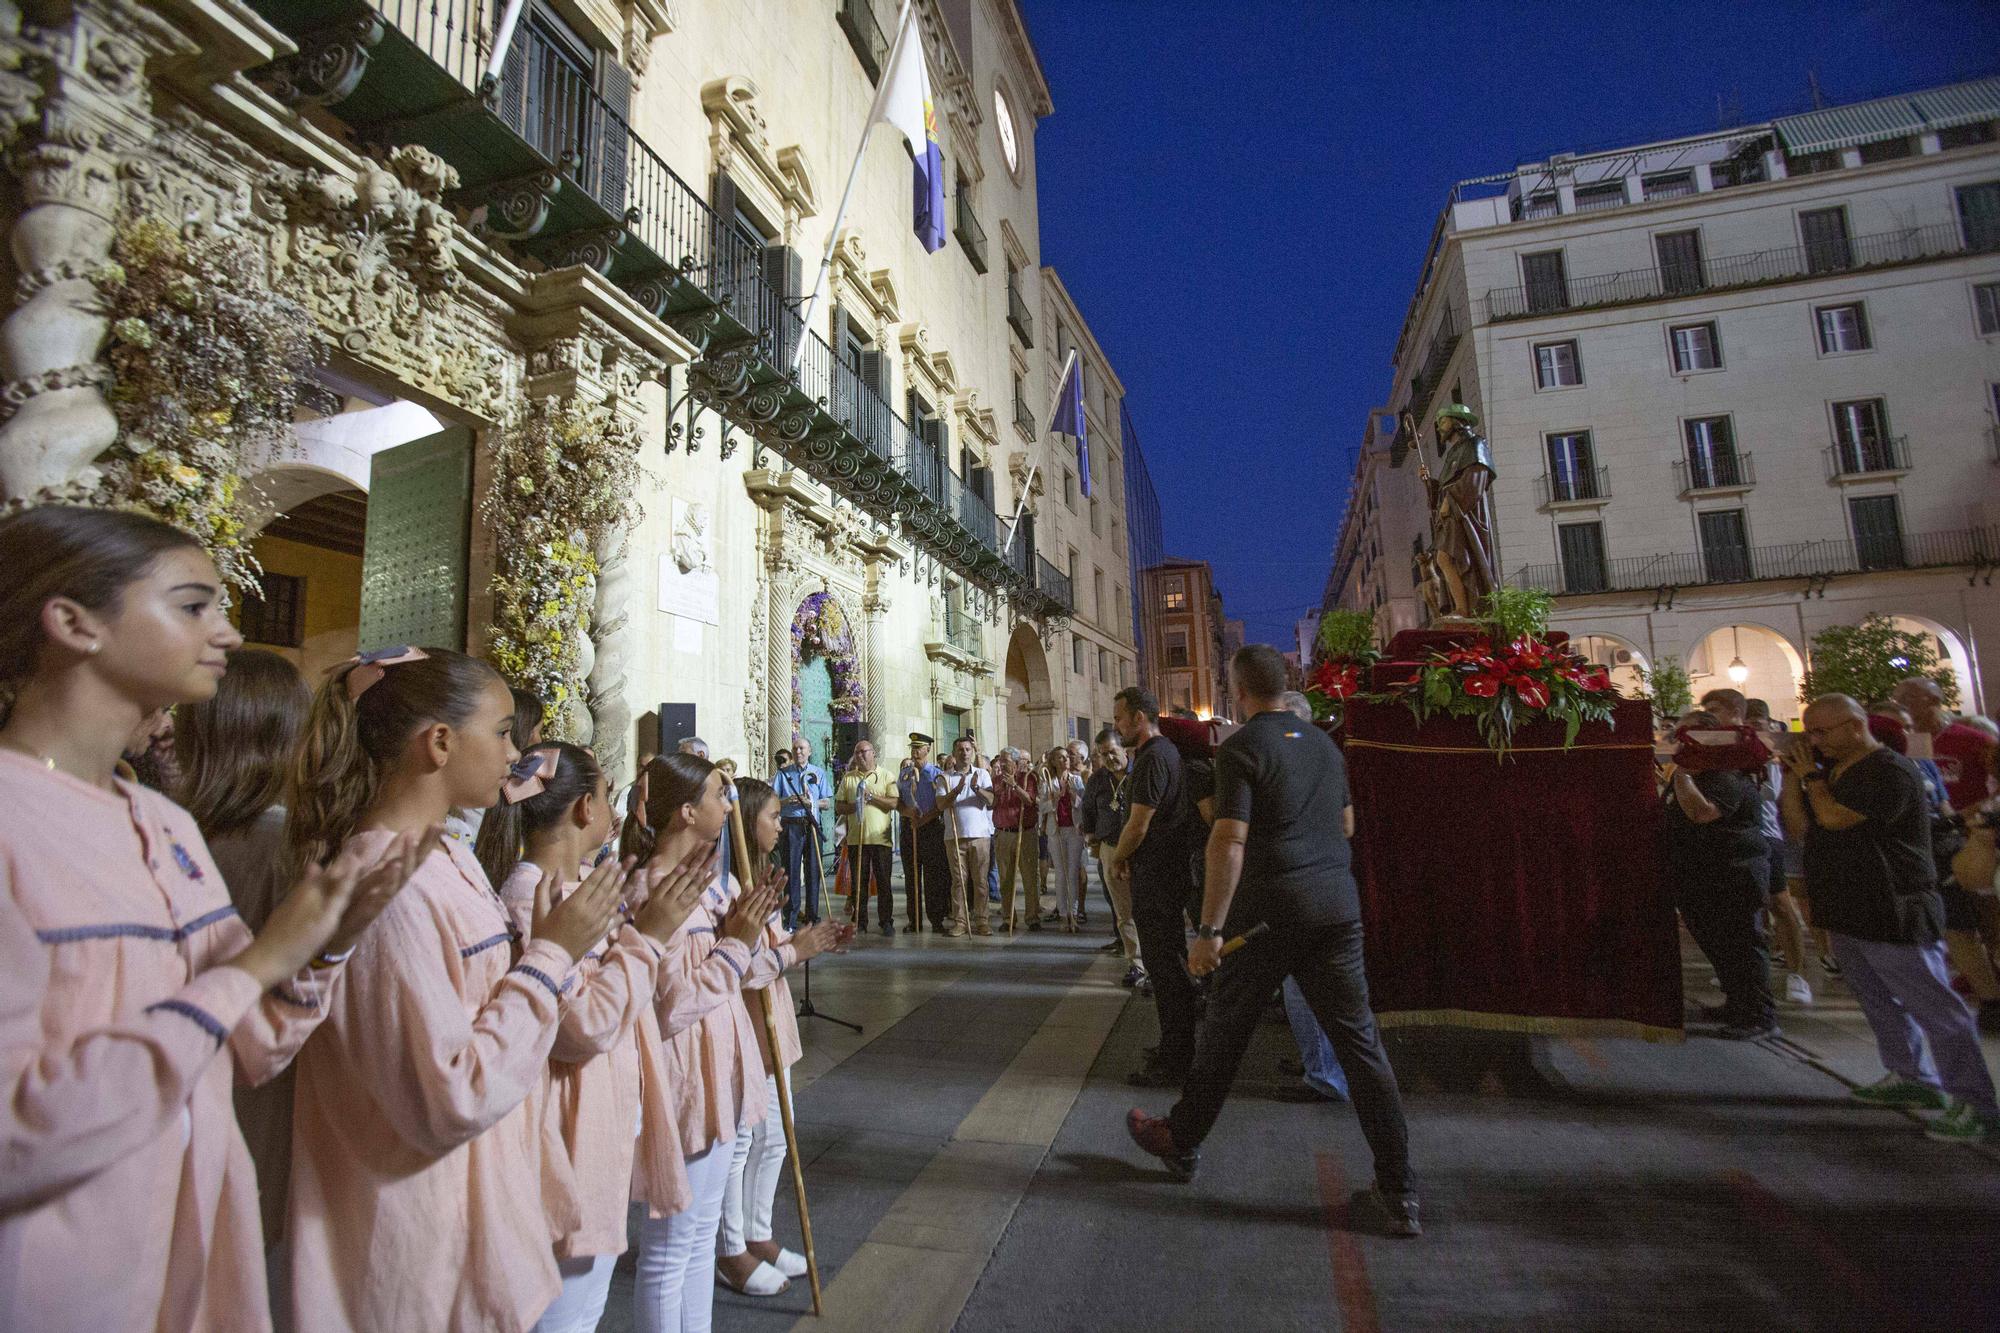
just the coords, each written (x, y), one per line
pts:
(790, 1264)
(764, 1280)
(1797, 990)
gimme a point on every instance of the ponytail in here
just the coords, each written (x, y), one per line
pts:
(355, 735)
(666, 783)
(504, 832)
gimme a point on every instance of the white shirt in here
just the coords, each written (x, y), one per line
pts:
(974, 820)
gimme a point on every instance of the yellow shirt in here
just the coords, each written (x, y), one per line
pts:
(871, 827)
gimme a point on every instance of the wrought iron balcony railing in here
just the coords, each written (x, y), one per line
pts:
(1019, 316)
(1699, 473)
(1786, 264)
(1978, 547)
(965, 226)
(1868, 456)
(1577, 486)
(1023, 417)
(1437, 357)
(864, 33)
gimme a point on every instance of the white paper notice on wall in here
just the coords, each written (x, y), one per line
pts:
(687, 636)
(692, 595)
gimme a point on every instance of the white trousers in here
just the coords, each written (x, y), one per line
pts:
(1066, 850)
(754, 1172)
(675, 1291)
(586, 1286)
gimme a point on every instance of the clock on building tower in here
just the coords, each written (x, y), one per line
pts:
(1003, 119)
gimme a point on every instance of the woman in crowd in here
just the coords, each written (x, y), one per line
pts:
(713, 1069)
(750, 1261)
(1016, 850)
(413, 1136)
(608, 1071)
(1061, 802)
(236, 753)
(129, 984)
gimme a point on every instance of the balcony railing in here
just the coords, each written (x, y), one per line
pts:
(1444, 341)
(1979, 547)
(1019, 316)
(865, 35)
(1024, 418)
(962, 630)
(1867, 457)
(1788, 264)
(1714, 472)
(1579, 486)
(965, 226)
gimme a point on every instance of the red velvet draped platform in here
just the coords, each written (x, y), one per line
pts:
(1521, 894)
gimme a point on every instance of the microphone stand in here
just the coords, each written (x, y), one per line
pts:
(806, 1009)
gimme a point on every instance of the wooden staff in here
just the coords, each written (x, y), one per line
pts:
(745, 876)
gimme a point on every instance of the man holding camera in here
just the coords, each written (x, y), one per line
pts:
(1861, 810)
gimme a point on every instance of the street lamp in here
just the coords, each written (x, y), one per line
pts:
(1738, 673)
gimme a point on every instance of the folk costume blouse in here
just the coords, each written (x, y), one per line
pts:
(127, 1196)
(417, 1185)
(607, 1127)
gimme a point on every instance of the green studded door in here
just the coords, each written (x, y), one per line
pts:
(414, 559)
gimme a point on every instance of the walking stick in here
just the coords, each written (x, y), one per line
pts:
(744, 875)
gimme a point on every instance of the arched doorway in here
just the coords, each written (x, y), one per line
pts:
(1755, 659)
(1621, 659)
(1950, 650)
(828, 697)
(1031, 703)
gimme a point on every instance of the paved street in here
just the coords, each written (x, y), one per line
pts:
(968, 1168)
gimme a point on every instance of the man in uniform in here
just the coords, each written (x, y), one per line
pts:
(804, 790)
(1278, 857)
(926, 873)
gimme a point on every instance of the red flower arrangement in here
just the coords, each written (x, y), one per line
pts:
(1501, 687)
(1346, 651)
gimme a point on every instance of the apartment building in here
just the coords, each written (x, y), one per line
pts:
(1186, 636)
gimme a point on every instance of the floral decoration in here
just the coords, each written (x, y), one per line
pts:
(1347, 649)
(564, 476)
(1502, 686)
(206, 360)
(820, 629)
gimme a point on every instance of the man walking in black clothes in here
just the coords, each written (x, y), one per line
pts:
(1152, 856)
(1278, 856)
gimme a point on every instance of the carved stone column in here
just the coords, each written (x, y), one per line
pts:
(874, 666)
(778, 678)
(610, 620)
(90, 74)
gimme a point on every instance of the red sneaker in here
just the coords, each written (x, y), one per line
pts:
(1154, 1135)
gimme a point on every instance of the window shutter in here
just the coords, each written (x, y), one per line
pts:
(782, 272)
(514, 89)
(941, 452)
(723, 258)
(614, 85)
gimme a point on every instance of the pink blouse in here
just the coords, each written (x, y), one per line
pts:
(127, 1197)
(712, 1061)
(784, 1014)
(417, 1185)
(607, 1083)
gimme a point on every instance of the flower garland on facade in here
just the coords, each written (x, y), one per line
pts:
(206, 360)
(564, 475)
(820, 629)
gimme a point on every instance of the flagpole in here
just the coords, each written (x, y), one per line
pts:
(1034, 464)
(847, 192)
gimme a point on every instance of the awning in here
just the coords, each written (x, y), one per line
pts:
(1960, 104)
(1848, 126)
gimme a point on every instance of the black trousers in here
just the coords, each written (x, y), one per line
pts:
(1159, 913)
(866, 862)
(934, 868)
(1723, 906)
(907, 846)
(1326, 961)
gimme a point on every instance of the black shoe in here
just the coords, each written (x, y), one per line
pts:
(888, 931)
(1155, 1136)
(1749, 1031)
(1299, 1092)
(1392, 1214)
(1034, 925)
(1155, 1074)
(1291, 1067)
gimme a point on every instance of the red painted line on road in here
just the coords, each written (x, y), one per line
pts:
(1352, 1290)
(1587, 1051)
(1830, 1264)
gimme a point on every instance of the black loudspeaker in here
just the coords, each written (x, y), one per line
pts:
(676, 725)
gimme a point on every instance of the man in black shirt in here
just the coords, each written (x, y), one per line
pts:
(1152, 857)
(1103, 822)
(1873, 888)
(1278, 857)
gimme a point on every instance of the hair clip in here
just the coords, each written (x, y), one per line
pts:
(364, 669)
(529, 776)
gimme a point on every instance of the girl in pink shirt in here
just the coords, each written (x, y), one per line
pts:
(128, 1200)
(751, 1261)
(607, 1110)
(417, 1185)
(713, 1069)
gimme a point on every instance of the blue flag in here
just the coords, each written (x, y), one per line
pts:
(1069, 418)
(905, 102)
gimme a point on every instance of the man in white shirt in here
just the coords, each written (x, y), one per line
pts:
(965, 793)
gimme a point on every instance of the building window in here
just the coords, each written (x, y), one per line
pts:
(1711, 453)
(1557, 365)
(1884, 150)
(1861, 437)
(1696, 347)
(1095, 518)
(1668, 184)
(1546, 280)
(1076, 654)
(1725, 545)
(1680, 262)
(1069, 489)
(276, 612)
(1572, 470)
(1878, 531)
(1807, 164)
(1824, 231)
(1582, 549)
(1966, 136)
(1986, 308)
(1103, 667)
(1842, 328)
(1097, 594)
(1173, 594)
(1979, 215)
(1604, 194)
(1177, 647)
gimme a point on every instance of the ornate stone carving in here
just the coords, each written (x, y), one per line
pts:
(594, 249)
(519, 208)
(610, 715)
(329, 63)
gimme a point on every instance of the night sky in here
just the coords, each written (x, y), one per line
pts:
(1239, 194)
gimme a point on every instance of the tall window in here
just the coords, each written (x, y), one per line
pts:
(1680, 262)
(1842, 328)
(1986, 307)
(1711, 453)
(1878, 531)
(276, 612)
(1069, 489)
(1695, 347)
(1557, 366)
(1572, 469)
(1173, 593)
(1861, 436)
(1725, 545)
(1103, 667)
(1177, 647)
(1824, 231)
(1546, 280)
(1076, 654)
(1097, 593)
(1582, 548)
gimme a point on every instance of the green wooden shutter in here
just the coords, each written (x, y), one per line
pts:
(613, 145)
(415, 559)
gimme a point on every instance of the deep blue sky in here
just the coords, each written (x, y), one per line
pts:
(1238, 195)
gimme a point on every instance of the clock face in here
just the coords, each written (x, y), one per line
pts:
(1003, 119)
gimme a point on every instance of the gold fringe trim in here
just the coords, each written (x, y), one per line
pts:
(1354, 744)
(1541, 1027)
